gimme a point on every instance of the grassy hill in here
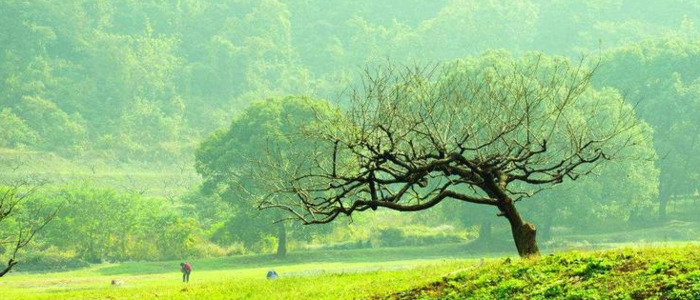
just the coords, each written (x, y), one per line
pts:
(642, 273)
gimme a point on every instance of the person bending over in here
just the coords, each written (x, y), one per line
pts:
(186, 269)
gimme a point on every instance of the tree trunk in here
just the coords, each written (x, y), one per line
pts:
(282, 240)
(485, 230)
(10, 264)
(523, 233)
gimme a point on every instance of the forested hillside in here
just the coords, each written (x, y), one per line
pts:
(145, 80)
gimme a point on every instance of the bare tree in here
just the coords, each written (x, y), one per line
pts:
(28, 223)
(492, 131)
(134, 184)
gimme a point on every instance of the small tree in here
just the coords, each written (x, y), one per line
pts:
(493, 130)
(19, 223)
(671, 93)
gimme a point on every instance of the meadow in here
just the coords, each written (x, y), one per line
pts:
(658, 271)
(309, 275)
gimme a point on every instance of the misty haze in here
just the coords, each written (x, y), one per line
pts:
(338, 149)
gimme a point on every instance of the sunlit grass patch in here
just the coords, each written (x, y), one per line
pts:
(628, 273)
(304, 275)
(301, 281)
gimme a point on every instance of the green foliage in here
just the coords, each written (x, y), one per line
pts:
(416, 236)
(227, 161)
(666, 87)
(132, 76)
(58, 129)
(99, 224)
(15, 131)
(50, 259)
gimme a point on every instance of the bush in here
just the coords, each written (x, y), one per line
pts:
(360, 244)
(51, 259)
(206, 249)
(417, 236)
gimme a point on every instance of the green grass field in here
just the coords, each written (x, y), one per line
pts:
(347, 274)
(378, 273)
(303, 281)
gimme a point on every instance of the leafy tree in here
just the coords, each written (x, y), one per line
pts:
(619, 193)
(15, 130)
(568, 27)
(465, 27)
(665, 83)
(19, 220)
(492, 131)
(101, 224)
(228, 158)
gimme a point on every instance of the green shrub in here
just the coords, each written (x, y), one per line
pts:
(417, 236)
(51, 259)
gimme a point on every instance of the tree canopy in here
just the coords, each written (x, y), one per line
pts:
(228, 159)
(491, 130)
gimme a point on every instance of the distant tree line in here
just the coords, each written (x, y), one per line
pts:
(147, 79)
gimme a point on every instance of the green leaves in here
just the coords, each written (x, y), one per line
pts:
(100, 224)
(240, 164)
(15, 131)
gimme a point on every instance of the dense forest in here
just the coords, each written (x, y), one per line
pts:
(124, 121)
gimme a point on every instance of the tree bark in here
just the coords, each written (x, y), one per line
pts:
(10, 264)
(282, 240)
(523, 233)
